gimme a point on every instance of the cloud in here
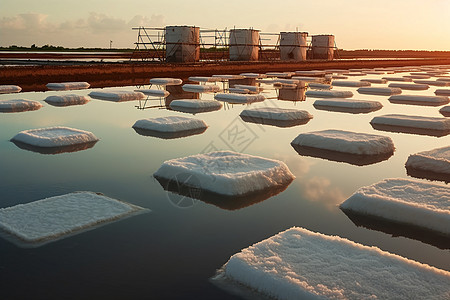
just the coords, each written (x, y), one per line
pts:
(319, 189)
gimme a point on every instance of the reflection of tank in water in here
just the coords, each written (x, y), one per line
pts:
(292, 93)
(177, 92)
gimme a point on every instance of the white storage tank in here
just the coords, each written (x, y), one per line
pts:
(322, 46)
(244, 44)
(293, 45)
(182, 43)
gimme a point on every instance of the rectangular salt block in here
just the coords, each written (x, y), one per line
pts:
(382, 91)
(419, 122)
(346, 142)
(349, 104)
(274, 113)
(301, 264)
(239, 98)
(54, 137)
(409, 86)
(6, 89)
(419, 100)
(68, 85)
(436, 160)
(19, 105)
(66, 100)
(196, 88)
(117, 96)
(195, 105)
(407, 201)
(166, 81)
(170, 124)
(348, 83)
(58, 216)
(227, 172)
(154, 92)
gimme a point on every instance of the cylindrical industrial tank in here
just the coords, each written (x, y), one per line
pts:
(244, 44)
(322, 47)
(182, 43)
(293, 45)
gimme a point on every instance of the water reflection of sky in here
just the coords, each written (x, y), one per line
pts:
(151, 253)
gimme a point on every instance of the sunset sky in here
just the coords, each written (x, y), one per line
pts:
(357, 24)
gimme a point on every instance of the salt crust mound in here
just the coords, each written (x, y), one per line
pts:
(374, 80)
(196, 88)
(346, 142)
(445, 111)
(203, 79)
(320, 86)
(442, 92)
(412, 121)
(196, 103)
(382, 91)
(301, 264)
(65, 100)
(285, 81)
(329, 94)
(274, 113)
(228, 173)
(55, 137)
(310, 73)
(117, 96)
(409, 86)
(19, 105)
(58, 86)
(166, 81)
(154, 92)
(7, 89)
(58, 216)
(432, 82)
(239, 91)
(251, 88)
(398, 79)
(170, 124)
(407, 201)
(349, 103)
(348, 83)
(436, 160)
(421, 100)
(239, 98)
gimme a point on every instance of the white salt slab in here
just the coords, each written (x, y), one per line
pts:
(406, 201)
(54, 137)
(251, 88)
(419, 100)
(228, 173)
(280, 74)
(329, 94)
(239, 91)
(348, 83)
(253, 75)
(381, 91)
(166, 81)
(354, 74)
(409, 86)
(285, 81)
(445, 111)
(117, 96)
(320, 86)
(7, 89)
(57, 86)
(240, 98)
(442, 92)
(66, 100)
(275, 113)
(308, 79)
(420, 122)
(398, 79)
(436, 160)
(55, 217)
(204, 88)
(346, 142)
(432, 82)
(301, 264)
(443, 79)
(417, 76)
(154, 92)
(228, 77)
(19, 105)
(310, 73)
(170, 124)
(195, 105)
(348, 104)
(203, 79)
(374, 80)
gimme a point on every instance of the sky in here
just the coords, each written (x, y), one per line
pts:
(356, 24)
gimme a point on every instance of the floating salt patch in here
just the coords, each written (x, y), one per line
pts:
(301, 264)
(329, 94)
(117, 96)
(417, 76)
(166, 81)
(445, 111)
(251, 88)
(228, 173)
(68, 86)
(67, 100)
(310, 73)
(409, 86)
(381, 91)
(442, 92)
(204, 88)
(18, 105)
(348, 83)
(154, 92)
(443, 79)
(354, 74)
(54, 137)
(433, 164)
(398, 79)
(195, 105)
(239, 98)
(320, 86)
(338, 77)
(280, 74)
(253, 75)
(280, 117)
(228, 77)
(412, 124)
(419, 100)
(308, 79)
(374, 80)
(348, 105)
(407, 201)
(239, 91)
(432, 82)
(171, 124)
(203, 79)
(7, 89)
(53, 218)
